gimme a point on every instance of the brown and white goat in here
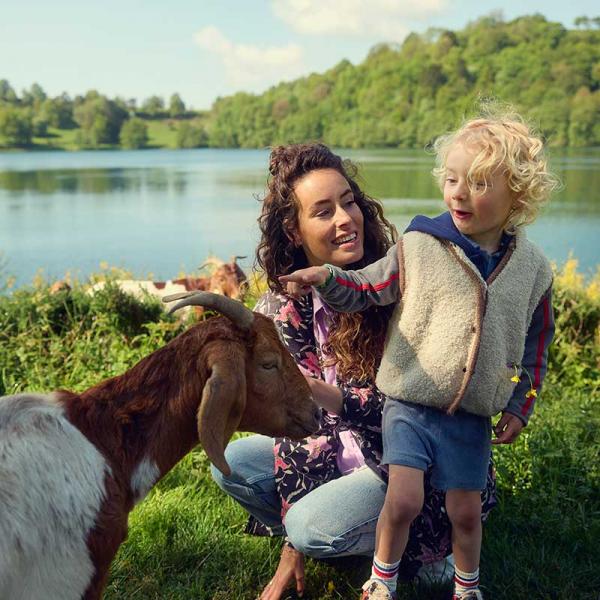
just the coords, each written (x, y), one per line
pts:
(72, 466)
(226, 279)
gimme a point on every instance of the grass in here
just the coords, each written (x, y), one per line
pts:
(162, 133)
(186, 539)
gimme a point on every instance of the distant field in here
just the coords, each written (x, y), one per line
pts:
(161, 134)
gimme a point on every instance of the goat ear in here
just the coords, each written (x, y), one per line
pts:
(220, 412)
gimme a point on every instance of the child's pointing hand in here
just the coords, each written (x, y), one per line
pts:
(299, 282)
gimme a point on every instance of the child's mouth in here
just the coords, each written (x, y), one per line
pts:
(461, 214)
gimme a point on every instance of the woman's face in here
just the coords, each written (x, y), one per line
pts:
(330, 223)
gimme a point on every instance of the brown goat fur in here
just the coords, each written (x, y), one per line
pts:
(208, 382)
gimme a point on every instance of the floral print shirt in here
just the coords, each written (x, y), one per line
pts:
(302, 466)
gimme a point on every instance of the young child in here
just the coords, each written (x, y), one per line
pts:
(468, 338)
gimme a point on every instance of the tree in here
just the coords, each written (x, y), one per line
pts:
(134, 134)
(176, 106)
(583, 128)
(153, 106)
(191, 136)
(58, 112)
(34, 96)
(7, 94)
(100, 119)
(582, 22)
(15, 126)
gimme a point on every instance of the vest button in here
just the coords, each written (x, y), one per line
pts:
(464, 369)
(473, 329)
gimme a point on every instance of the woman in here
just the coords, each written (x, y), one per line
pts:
(326, 491)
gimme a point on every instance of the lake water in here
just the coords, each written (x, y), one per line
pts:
(165, 211)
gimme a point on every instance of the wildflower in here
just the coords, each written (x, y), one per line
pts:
(330, 587)
(532, 393)
(515, 378)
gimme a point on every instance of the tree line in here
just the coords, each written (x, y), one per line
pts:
(399, 96)
(96, 119)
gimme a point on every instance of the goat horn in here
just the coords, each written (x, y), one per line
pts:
(232, 309)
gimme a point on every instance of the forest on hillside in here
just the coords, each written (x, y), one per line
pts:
(399, 96)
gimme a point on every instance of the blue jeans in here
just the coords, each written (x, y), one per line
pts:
(336, 519)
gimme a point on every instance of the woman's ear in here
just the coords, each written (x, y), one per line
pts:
(293, 235)
(296, 239)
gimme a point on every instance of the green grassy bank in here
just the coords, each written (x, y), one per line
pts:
(186, 539)
(162, 133)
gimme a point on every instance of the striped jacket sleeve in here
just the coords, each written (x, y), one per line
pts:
(535, 359)
(354, 291)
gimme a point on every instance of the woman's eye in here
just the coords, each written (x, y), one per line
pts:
(322, 213)
(351, 202)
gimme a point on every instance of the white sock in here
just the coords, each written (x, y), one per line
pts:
(465, 582)
(387, 573)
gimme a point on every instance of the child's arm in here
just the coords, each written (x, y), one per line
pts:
(534, 365)
(350, 291)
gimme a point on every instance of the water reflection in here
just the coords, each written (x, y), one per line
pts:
(92, 181)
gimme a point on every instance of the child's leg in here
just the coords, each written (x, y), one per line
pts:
(403, 503)
(464, 512)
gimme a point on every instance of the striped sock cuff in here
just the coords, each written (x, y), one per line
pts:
(387, 573)
(464, 582)
(385, 570)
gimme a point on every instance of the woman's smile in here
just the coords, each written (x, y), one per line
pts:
(347, 240)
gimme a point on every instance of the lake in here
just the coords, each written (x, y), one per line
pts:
(162, 212)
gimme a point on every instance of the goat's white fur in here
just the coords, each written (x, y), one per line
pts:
(39, 451)
(144, 477)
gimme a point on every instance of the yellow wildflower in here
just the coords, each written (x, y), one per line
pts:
(532, 393)
(515, 377)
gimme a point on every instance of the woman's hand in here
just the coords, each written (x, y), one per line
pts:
(326, 395)
(290, 568)
(299, 282)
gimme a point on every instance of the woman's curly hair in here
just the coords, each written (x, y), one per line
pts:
(351, 335)
(502, 139)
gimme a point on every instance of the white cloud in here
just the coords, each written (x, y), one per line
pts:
(384, 19)
(252, 67)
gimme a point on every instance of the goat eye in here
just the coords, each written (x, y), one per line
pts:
(269, 366)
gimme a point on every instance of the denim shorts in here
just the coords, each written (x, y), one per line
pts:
(455, 447)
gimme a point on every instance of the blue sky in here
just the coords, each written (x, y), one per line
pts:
(203, 49)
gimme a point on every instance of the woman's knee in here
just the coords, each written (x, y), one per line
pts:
(304, 533)
(251, 462)
(221, 480)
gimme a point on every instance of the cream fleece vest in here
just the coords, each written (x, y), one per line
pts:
(454, 339)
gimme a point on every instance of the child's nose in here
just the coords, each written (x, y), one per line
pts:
(460, 191)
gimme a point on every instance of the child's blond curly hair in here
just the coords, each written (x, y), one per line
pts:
(503, 140)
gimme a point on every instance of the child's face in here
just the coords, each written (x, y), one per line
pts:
(330, 222)
(482, 213)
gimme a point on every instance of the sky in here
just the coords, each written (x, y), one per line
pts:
(203, 49)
